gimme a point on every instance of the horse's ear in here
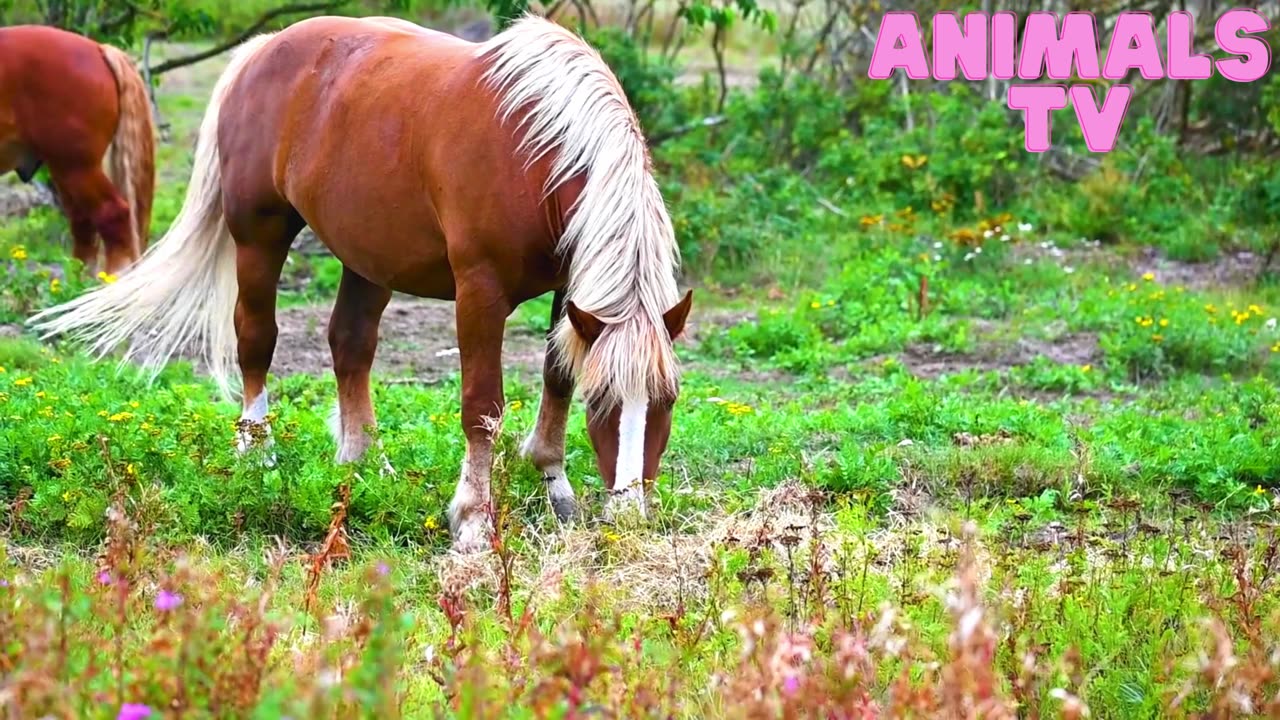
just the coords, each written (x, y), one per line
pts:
(675, 318)
(588, 326)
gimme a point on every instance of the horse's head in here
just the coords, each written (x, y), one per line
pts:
(630, 434)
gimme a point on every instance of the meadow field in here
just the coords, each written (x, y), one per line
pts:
(961, 434)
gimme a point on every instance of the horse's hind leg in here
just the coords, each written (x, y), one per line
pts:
(262, 245)
(93, 205)
(545, 445)
(353, 338)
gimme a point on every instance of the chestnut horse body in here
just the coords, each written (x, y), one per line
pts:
(487, 174)
(67, 102)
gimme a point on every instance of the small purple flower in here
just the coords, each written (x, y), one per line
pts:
(4, 583)
(166, 601)
(791, 684)
(104, 578)
(134, 711)
(383, 569)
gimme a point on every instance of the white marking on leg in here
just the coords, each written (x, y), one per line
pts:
(547, 454)
(468, 520)
(253, 419)
(628, 485)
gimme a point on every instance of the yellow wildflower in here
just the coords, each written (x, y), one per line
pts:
(611, 536)
(1255, 309)
(1157, 338)
(815, 305)
(430, 524)
(1211, 308)
(1086, 368)
(1164, 322)
(40, 394)
(516, 405)
(1259, 491)
(18, 253)
(53, 439)
(1132, 287)
(107, 277)
(869, 220)
(1149, 276)
(914, 162)
(120, 417)
(22, 382)
(55, 286)
(2, 370)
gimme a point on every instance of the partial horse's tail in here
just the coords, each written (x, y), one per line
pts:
(182, 293)
(131, 159)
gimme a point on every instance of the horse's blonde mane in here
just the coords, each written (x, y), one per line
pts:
(619, 238)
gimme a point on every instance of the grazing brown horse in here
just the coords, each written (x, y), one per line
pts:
(67, 102)
(487, 174)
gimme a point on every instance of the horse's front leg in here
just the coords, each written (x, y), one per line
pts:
(353, 340)
(481, 316)
(545, 445)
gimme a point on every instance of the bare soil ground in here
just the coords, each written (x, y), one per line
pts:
(417, 337)
(929, 362)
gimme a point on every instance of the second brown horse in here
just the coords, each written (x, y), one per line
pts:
(67, 102)
(487, 174)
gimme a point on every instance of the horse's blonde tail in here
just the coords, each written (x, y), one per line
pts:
(131, 158)
(183, 291)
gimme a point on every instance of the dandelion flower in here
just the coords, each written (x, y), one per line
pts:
(107, 277)
(1164, 322)
(1149, 276)
(22, 382)
(18, 253)
(1086, 368)
(815, 305)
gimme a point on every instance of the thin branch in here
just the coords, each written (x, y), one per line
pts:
(248, 32)
(710, 121)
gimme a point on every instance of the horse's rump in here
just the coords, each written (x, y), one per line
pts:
(58, 97)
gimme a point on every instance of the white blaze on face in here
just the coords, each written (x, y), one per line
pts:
(631, 443)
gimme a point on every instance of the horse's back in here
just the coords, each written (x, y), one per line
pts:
(371, 129)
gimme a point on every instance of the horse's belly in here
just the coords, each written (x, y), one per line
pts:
(413, 263)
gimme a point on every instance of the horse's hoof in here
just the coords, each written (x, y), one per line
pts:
(565, 508)
(471, 535)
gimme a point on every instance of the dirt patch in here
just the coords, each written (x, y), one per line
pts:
(1230, 269)
(417, 338)
(930, 362)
